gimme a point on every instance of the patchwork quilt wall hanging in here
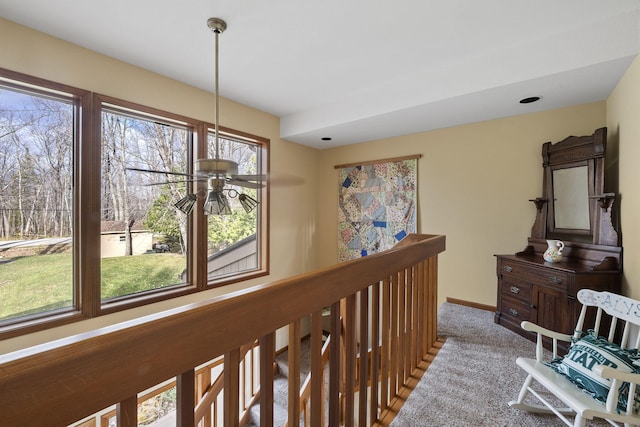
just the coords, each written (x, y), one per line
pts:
(376, 206)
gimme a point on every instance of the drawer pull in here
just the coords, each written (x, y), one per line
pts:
(513, 312)
(555, 280)
(515, 290)
(508, 268)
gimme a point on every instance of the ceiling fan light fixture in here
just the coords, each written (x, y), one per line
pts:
(216, 166)
(247, 202)
(186, 204)
(216, 204)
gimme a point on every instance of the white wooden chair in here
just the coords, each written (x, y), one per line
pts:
(586, 363)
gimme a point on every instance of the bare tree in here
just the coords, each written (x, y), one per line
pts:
(36, 139)
(139, 142)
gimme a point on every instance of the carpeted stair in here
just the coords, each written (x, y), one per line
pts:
(281, 386)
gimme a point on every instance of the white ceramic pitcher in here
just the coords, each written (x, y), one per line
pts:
(554, 251)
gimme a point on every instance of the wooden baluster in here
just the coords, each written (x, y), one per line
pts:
(415, 328)
(364, 356)
(127, 412)
(317, 377)
(350, 360)
(253, 385)
(433, 300)
(401, 328)
(323, 391)
(408, 312)
(231, 415)
(307, 420)
(426, 310)
(242, 383)
(185, 398)
(409, 322)
(375, 353)
(343, 358)
(419, 317)
(203, 382)
(427, 305)
(408, 342)
(426, 332)
(393, 348)
(334, 367)
(267, 356)
(293, 354)
(385, 353)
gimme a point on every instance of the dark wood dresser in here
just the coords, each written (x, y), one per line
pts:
(574, 211)
(545, 293)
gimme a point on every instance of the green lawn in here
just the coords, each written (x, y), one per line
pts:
(34, 284)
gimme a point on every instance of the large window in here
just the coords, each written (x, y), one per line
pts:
(37, 141)
(233, 246)
(88, 215)
(143, 237)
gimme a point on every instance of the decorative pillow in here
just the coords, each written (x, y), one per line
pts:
(591, 351)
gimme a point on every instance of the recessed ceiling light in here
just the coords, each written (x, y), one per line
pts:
(326, 138)
(529, 100)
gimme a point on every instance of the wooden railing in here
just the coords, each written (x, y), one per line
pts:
(389, 298)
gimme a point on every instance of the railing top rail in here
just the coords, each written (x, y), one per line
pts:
(45, 383)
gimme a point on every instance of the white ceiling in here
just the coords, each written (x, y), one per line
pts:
(359, 70)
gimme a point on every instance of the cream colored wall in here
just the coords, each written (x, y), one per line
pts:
(623, 123)
(474, 184)
(292, 193)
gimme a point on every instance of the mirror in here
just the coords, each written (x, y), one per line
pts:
(571, 198)
(573, 205)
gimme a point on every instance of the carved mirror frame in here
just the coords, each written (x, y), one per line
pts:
(575, 156)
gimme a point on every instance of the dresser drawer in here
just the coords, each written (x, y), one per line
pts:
(516, 272)
(516, 289)
(516, 311)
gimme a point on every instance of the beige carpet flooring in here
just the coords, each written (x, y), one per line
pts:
(473, 376)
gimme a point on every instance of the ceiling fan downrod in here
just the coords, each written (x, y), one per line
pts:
(217, 25)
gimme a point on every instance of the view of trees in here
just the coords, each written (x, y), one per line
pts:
(133, 195)
(130, 195)
(226, 230)
(36, 199)
(36, 171)
(38, 154)
(35, 177)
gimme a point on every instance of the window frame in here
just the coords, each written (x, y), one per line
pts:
(111, 104)
(81, 100)
(87, 303)
(262, 236)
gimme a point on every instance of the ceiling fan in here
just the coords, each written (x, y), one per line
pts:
(216, 171)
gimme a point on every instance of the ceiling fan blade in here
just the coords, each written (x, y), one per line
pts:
(159, 171)
(176, 182)
(246, 184)
(250, 177)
